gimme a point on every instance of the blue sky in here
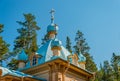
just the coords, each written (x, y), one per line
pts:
(99, 20)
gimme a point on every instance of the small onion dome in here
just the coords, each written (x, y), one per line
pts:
(81, 58)
(52, 28)
(56, 44)
(22, 56)
(70, 58)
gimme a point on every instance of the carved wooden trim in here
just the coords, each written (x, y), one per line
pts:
(56, 67)
(56, 47)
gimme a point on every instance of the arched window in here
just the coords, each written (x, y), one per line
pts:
(34, 61)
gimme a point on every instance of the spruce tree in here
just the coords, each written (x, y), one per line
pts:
(1, 28)
(82, 46)
(90, 64)
(99, 74)
(45, 39)
(68, 44)
(27, 34)
(13, 64)
(114, 63)
(107, 69)
(3, 46)
(109, 72)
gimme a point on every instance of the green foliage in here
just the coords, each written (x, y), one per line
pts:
(68, 44)
(81, 45)
(1, 28)
(114, 63)
(90, 64)
(45, 39)
(109, 72)
(3, 45)
(27, 38)
(99, 74)
(13, 64)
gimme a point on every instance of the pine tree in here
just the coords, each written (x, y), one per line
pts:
(1, 28)
(107, 69)
(45, 39)
(3, 46)
(99, 74)
(90, 64)
(68, 44)
(82, 46)
(13, 64)
(27, 34)
(114, 63)
(109, 72)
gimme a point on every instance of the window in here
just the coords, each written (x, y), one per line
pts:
(34, 61)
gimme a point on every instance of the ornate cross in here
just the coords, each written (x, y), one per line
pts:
(52, 15)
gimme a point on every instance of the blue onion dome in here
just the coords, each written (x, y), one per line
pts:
(56, 44)
(52, 28)
(81, 58)
(22, 56)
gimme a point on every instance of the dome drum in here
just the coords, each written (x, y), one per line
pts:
(81, 62)
(52, 32)
(56, 47)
